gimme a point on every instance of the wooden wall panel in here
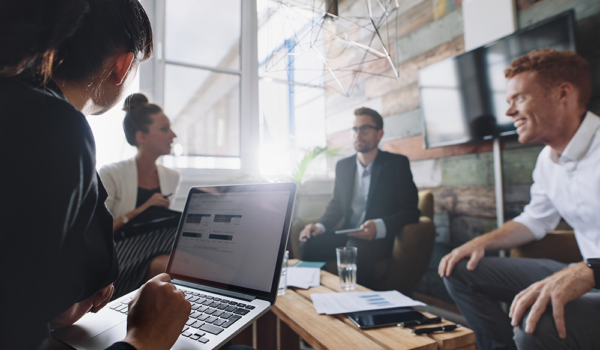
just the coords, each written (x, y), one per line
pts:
(402, 125)
(412, 147)
(436, 33)
(549, 8)
(415, 18)
(400, 101)
(468, 170)
(407, 71)
(465, 200)
(523, 4)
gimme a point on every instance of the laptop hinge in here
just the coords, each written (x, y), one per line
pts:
(246, 297)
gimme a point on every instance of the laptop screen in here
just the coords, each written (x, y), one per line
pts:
(232, 236)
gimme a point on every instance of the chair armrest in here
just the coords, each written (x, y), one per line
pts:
(294, 240)
(556, 245)
(410, 257)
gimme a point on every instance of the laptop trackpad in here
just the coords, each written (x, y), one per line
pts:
(111, 336)
(94, 331)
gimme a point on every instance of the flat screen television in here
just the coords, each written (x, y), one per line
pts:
(463, 97)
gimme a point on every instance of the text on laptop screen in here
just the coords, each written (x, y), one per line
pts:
(231, 238)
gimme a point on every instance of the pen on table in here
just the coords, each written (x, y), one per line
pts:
(168, 195)
(445, 328)
(417, 323)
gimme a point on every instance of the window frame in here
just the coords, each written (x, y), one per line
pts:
(152, 81)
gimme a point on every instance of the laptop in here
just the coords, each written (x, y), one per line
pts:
(226, 258)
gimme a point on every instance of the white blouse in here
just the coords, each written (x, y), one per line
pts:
(121, 182)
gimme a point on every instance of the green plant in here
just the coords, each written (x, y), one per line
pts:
(310, 155)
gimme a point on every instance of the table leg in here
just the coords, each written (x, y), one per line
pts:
(268, 333)
(278, 333)
(254, 337)
(287, 339)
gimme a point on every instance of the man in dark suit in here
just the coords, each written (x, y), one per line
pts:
(373, 190)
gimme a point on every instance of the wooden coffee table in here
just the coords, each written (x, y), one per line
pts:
(296, 310)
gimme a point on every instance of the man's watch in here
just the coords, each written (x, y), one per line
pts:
(594, 264)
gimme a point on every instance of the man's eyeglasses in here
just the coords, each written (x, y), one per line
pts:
(363, 129)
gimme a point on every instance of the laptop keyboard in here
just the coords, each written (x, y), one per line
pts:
(209, 315)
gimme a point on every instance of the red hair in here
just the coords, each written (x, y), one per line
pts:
(553, 68)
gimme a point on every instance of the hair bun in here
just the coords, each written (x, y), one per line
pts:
(134, 101)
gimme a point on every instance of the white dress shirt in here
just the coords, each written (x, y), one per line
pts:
(569, 186)
(360, 195)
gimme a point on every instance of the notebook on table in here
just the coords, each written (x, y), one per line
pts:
(226, 258)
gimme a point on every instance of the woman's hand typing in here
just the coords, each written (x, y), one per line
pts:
(157, 315)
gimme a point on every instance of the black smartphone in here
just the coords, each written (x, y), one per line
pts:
(385, 317)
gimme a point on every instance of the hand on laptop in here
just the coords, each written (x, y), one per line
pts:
(75, 312)
(157, 315)
(369, 230)
(309, 231)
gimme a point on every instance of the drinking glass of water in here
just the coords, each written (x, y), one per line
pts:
(346, 262)
(283, 280)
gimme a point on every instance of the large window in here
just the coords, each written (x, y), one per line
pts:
(292, 99)
(205, 72)
(204, 75)
(202, 82)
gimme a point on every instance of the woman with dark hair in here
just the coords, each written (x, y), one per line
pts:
(136, 184)
(61, 60)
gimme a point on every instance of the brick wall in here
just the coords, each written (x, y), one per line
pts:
(461, 177)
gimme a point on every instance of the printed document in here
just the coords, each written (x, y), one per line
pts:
(341, 303)
(303, 277)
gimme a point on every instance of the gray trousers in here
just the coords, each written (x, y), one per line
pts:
(478, 293)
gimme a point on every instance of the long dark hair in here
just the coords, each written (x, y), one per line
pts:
(70, 39)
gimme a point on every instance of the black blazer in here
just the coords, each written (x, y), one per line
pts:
(56, 240)
(392, 196)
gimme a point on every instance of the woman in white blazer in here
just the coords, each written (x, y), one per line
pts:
(136, 184)
(149, 130)
(122, 184)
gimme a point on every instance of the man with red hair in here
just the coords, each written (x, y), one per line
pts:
(554, 305)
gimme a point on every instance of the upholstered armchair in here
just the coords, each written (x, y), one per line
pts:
(556, 245)
(412, 250)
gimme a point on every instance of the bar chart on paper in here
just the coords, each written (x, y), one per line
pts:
(340, 303)
(376, 300)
